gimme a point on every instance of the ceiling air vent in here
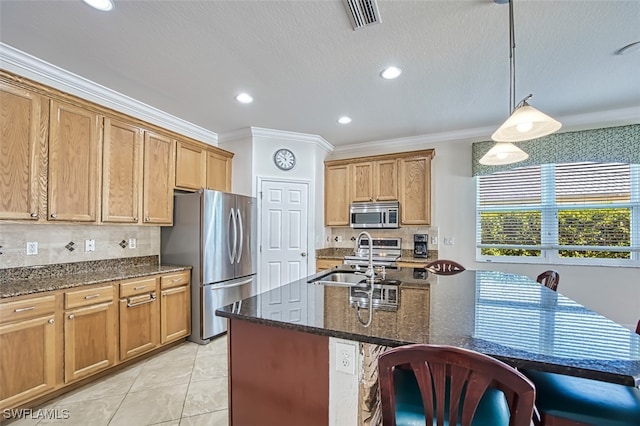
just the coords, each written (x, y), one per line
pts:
(362, 12)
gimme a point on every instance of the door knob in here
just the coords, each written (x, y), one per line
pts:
(303, 254)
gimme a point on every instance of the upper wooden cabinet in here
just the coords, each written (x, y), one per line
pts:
(158, 179)
(121, 167)
(336, 195)
(74, 137)
(199, 166)
(23, 152)
(405, 177)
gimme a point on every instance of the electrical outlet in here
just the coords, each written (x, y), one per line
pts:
(434, 240)
(132, 243)
(339, 238)
(448, 241)
(89, 245)
(346, 358)
(32, 248)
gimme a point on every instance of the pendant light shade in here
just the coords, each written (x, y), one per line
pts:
(503, 153)
(525, 123)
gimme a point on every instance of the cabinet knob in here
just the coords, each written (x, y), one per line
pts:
(51, 321)
(71, 316)
(146, 219)
(135, 219)
(34, 214)
(53, 215)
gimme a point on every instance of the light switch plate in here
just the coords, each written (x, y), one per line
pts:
(32, 248)
(132, 243)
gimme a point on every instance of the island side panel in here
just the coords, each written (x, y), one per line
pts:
(277, 376)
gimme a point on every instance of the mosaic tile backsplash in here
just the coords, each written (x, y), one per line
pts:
(67, 243)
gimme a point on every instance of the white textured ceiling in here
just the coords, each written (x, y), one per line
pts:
(305, 66)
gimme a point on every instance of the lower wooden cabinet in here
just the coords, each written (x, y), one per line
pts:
(322, 264)
(28, 349)
(50, 341)
(90, 332)
(139, 313)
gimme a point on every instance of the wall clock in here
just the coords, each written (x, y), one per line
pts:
(284, 159)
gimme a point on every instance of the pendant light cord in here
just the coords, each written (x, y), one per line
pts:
(512, 61)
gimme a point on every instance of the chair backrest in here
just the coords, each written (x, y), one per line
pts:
(549, 279)
(444, 267)
(465, 375)
(638, 327)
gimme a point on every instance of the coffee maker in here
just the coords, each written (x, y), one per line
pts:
(420, 247)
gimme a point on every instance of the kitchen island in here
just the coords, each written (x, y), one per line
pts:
(282, 343)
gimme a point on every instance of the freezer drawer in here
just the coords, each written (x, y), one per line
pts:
(217, 295)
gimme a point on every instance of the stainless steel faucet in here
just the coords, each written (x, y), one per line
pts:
(369, 273)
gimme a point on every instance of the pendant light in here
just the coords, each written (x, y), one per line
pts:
(524, 123)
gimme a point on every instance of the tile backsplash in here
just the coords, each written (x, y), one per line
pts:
(344, 237)
(67, 243)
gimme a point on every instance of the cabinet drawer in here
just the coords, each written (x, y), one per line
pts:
(175, 280)
(137, 286)
(27, 308)
(90, 296)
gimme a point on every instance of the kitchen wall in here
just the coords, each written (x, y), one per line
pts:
(66, 243)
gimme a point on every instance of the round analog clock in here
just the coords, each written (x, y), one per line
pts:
(284, 159)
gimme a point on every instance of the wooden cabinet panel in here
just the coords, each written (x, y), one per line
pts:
(27, 308)
(191, 166)
(362, 182)
(158, 179)
(175, 280)
(23, 152)
(89, 296)
(89, 340)
(336, 195)
(175, 313)
(218, 172)
(415, 190)
(386, 180)
(137, 286)
(121, 162)
(139, 325)
(322, 264)
(28, 353)
(73, 163)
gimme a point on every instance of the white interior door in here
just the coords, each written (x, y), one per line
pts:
(284, 216)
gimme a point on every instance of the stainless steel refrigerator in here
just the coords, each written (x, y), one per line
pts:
(215, 232)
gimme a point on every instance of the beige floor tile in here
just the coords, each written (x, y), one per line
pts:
(209, 367)
(217, 418)
(215, 347)
(182, 353)
(95, 412)
(170, 372)
(206, 396)
(161, 404)
(117, 384)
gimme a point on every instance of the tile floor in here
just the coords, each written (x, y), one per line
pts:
(185, 385)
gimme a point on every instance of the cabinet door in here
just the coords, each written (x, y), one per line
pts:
(385, 180)
(139, 325)
(415, 190)
(218, 172)
(158, 179)
(89, 340)
(362, 182)
(336, 195)
(191, 166)
(73, 163)
(23, 152)
(175, 314)
(322, 264)
(28, 354)
(121, 161)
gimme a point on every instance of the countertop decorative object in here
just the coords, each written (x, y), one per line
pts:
(37, 279)
(508, 316)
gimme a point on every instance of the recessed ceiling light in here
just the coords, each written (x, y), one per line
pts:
(104, 5)
(244, 98)
(390, 73)
(344, 120)
(630, 48)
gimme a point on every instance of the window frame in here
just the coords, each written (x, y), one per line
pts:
(549, 247)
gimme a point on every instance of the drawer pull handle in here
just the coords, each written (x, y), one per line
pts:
(91, 296)
(175, 280)
(72, 316)
(34, 215)
(51, 321)
(139, 287)
(30, 308)
(152, 298)
(53, 215)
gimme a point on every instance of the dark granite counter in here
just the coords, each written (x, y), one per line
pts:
(38, 279)
(510, 317)
(405, 257)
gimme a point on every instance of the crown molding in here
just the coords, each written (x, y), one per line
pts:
(21, 63)
(283, 135)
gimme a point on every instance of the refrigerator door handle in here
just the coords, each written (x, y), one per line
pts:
(238, 284)
(241, 226)
(232, 224)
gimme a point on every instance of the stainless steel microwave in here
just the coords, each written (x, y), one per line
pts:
(375, 215)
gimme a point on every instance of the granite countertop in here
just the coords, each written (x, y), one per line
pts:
(508, 316)
(37, 279)
(406, 255)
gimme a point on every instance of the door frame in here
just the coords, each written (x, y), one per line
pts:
(311, 254)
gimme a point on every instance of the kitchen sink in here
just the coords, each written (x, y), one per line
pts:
(349, 279)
